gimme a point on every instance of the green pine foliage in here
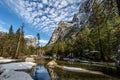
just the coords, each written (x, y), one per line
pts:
(9, 43)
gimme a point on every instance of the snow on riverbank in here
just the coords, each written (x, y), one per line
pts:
(72, 68)
(8, 71)
(17, 66)
(7, 60)
(14, 75)
(81, 70)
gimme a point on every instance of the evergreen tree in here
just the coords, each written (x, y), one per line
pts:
(21, 41)
(11, 30)
(38, 43)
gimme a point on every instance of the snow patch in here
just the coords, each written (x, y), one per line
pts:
(17, 66)
(14, 75)
(71, 68)
(2, 60)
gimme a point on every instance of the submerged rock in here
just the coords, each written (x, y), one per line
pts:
(14, 75)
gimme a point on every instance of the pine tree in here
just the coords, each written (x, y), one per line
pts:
(11, 30)
(20, 41)
(38, 43)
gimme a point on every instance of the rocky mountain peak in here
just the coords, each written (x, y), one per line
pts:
(2, 34)
(65, 30)
(60, 32)
(63, 24)
(79, 21)
(81, 18)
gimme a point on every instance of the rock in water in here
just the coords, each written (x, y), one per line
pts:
(14, 75)
(52, 64)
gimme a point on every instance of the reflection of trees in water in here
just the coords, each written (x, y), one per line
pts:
(40, 73)
(40, 59)
(33, 73)
(52, 74)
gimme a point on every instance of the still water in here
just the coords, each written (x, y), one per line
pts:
(40, 73)
(43, 73)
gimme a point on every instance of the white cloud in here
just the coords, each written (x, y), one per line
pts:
(34, 23)
(43, 41)
(34, 14)
(64, 3)
(29, 36)
(2, 28)
(37, 20)
(46, 14)
(29, 9)
(56, 4)
(43, 18)
(52, 11)
(45, 1)
(40, 5)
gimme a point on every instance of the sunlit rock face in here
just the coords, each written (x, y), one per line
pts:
(60, 32)
(2, 34)
(66, 30)
(30, 40)
(81, 19)
(52, 64)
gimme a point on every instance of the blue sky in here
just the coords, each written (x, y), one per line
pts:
(39, 16)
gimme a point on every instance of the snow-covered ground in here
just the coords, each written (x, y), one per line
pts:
(14, 75)
(72, 68)
(8, 72)
(17, 66)
(7, 60)
(82, 70)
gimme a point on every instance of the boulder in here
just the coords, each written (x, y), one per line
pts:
(52, 64)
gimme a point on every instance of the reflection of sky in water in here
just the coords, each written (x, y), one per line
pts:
(40, 73)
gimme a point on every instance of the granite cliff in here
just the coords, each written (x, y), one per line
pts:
(85, 15)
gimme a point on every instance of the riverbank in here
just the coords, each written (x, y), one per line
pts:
(10, 70)
(73, 71)
(106, 69)
(53, 64)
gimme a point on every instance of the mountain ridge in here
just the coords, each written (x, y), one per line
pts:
(84, 17)
(68, 29)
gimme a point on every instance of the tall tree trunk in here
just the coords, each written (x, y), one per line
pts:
(18, 46)
(109, 44)
(2, 51)
(100, 45)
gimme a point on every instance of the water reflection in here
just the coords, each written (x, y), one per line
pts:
(40, 73)
(53, 74)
